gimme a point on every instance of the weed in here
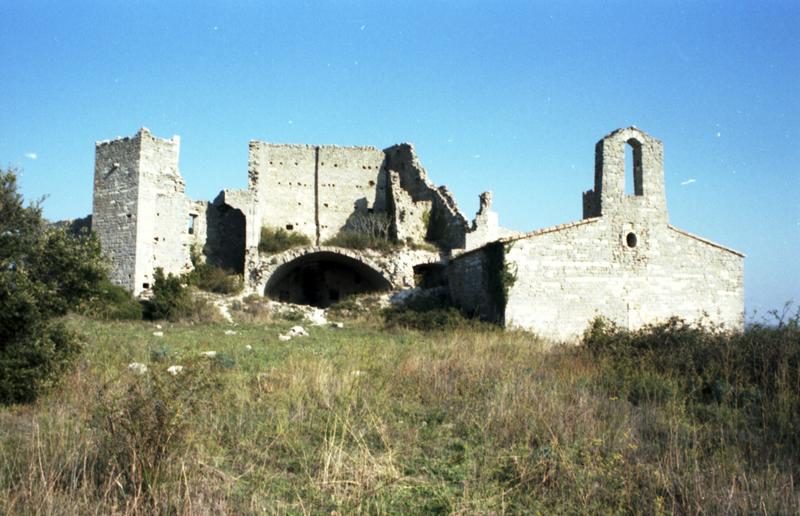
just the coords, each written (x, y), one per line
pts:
(215, 279)
(144, 422)
(672, 419)
(112, 303)
(277, 240)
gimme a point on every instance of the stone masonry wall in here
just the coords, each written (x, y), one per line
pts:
(408, 218)
(283, 178)
(141, 209)
(446, 224)
(351, 179)
(163, 238)
(470, 285)
(315, 189)
(623, 261)
(115, 206)
(567, 277)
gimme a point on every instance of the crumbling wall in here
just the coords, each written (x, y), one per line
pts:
(283, 182)
(351, 180)
(315, 189)
(445, 224)
(163, 239)
(409, 219)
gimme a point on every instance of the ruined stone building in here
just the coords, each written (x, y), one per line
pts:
(623, 260)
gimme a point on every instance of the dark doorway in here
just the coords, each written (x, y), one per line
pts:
(225, 241)
(321, 279)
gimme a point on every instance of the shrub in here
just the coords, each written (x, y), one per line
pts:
(215, 279)
(727, 379)
(44, 272)
(33, 364)
(112, 303)
(278, 240)
(171, 299)
(145, 421)
(430, 311)
(365, 231)
(347, 307)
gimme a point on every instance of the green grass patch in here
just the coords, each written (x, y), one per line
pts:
(277, 240)
(361, 420)
(361, 241)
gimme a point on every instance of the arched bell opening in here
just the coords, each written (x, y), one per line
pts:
(323, 278)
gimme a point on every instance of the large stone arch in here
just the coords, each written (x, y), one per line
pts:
(320, 276)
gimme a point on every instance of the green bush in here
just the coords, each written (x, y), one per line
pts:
(215, 279)
(44, 272)
(112, 303)
(32, 364)
(724, 379)
(429, 312)
(278, 240)
(171, 299)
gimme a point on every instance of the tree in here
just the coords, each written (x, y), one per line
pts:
(44, 272)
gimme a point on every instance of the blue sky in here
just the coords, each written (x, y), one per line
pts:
(508, 96)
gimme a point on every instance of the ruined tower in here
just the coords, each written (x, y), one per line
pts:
(140, 211)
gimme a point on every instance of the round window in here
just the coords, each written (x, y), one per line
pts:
(631, 240)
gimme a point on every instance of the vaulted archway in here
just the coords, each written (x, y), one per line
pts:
(321, 278)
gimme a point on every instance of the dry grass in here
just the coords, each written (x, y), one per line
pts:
(361, 420)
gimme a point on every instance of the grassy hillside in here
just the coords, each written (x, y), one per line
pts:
(360, 419)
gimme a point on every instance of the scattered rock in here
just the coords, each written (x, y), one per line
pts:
(224, 311)
(337, 325)
(298, 331)
(209, 354)
(175, 369)
(137, 367)
(248, 347)
(230, 332)
(316, 316)
(284, 338)
(158, 334)
(357, 373)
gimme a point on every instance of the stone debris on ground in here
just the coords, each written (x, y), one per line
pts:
(224, 310)
(298, 331)
(175, 369)
(313, 315)
(158, 334)
(137, 367)
(294, 331)
(209, 354)
(230, 332)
